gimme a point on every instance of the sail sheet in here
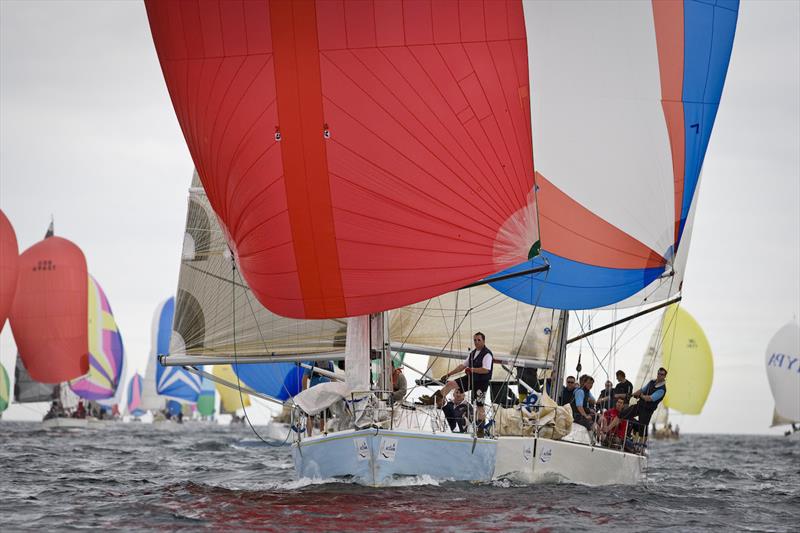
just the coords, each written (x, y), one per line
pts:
(361, 155)
(4, 389)
(9, 267)
(171, 381)
(622, 118)
(513, 328)
(49, 315)
(135, 406)
(783, 371)
(105, 349)
(230, 399)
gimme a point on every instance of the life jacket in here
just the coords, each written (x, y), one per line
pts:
(567, 396)
(585, 403)
(476, 361)
(649, 389)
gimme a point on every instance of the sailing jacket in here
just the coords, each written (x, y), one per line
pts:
(649, 390)
(475, 360)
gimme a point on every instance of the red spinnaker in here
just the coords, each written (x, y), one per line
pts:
(362, 155)
(49, 316)
(9, 261)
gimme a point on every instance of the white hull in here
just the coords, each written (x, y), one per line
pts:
(374, 457)
(75, 423)
(533, 460)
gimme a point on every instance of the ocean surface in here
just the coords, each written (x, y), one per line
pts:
(195, 477)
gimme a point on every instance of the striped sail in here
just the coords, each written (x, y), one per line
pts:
(105, 349)
(378, 154)
(171, 382)
(135, 407)
(624, 98)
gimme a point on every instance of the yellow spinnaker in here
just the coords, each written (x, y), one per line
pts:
(230, 398)
(688, 360)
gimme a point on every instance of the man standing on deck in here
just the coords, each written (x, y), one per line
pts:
(478, 369)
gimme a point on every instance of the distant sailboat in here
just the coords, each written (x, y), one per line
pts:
(4, 390)
(9, 267)
(135, 397)
(206, 401)
(681, 347)
(105, 349)
(783, 371)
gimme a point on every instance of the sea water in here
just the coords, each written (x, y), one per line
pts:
(193, 477)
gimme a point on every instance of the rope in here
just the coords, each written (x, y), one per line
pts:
(236, 363)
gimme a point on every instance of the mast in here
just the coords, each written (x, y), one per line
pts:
(557, 376)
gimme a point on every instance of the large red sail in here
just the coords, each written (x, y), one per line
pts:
(49, 316)
(362, 155)
(9, 260)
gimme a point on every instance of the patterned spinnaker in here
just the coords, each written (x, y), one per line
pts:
(171, 381)
(105, 349)
(135, 396)
(622, 117)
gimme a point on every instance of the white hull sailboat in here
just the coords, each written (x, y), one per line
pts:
(65, 423)
(386, 173)
(539, 460)
(375, 457)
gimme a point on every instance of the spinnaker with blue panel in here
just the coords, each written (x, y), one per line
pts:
(622, 119)
(135, 396)
(171, 382)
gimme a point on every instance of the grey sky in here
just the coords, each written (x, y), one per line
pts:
(87, 133)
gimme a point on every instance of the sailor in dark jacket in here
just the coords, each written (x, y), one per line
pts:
(478, 369)
(649, 397)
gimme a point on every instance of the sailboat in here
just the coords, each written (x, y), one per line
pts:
(9, 267)
(177, 386)
(4, 390)
(680, 346)
(206, 401)
(363, 157)
(135, 410)
(49, 319)
(783, 371)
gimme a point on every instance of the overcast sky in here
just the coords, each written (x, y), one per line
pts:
(88, 135)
